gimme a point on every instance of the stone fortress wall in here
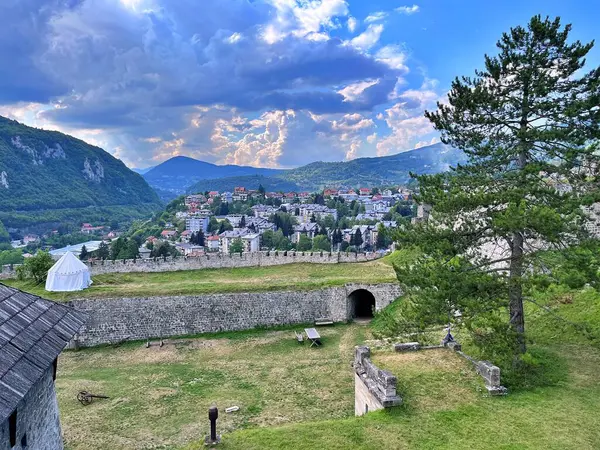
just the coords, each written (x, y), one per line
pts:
(215, 261)
(113, 320)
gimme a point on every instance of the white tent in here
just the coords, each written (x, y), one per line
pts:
(68, 274)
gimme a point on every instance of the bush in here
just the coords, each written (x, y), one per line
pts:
(36, 267)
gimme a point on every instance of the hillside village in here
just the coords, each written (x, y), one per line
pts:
(248, 221)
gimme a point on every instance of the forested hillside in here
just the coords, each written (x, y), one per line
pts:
(49, 177)
(378, 171)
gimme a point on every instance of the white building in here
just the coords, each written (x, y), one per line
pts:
(251, 242)
(212, 243)
(196, 224)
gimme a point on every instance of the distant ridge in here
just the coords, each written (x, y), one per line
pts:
(175, 175)
(368, 172)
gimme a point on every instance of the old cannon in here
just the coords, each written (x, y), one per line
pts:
(85, 397)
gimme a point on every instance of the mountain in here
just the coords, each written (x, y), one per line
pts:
(48, 178)
(368, 172)
(143, 171)
(175, 175)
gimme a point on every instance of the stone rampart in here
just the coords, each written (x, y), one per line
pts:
(114, 320)
(374, 388)
(214, 261)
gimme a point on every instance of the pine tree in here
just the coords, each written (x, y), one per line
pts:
(525, 122)
(200, 238)
(243, 222)
(381, 237)
(83, 255)
(103, 250)
(358, 238)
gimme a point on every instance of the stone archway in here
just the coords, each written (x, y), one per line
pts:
(362, 304)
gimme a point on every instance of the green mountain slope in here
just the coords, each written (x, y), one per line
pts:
(48, 177)
(368, 172)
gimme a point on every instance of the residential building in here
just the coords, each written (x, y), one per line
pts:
(227, 237)
(169, 234)
(264, 211)
(251, 242)
(88, 228)
(212, 243)
(308, 229)
(188, 249)
(194, 199)
(33, 332)
(196, 224)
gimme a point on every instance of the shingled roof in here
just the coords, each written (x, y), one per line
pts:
(33, 332)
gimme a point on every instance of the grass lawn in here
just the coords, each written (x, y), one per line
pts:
(244, 279)
(160, 396)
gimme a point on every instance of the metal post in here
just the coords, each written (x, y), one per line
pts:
(213, 415)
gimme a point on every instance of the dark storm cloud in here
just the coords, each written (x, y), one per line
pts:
(115, 63)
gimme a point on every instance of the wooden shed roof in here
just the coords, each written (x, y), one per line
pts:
(33, 332)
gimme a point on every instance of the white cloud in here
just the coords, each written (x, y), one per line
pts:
(408, 9)
(352, 153)
(368, 38)
(393, 56)
(434, 140)
(352, 24)
(262, 144)
(376, 17)
(235, 37)
(353, 91)
(405, 130)
(304, 18)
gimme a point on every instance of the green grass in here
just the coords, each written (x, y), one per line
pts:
(295, 397)
(159, 396)
(446, 407)
(209, 281)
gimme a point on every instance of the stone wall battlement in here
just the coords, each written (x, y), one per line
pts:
(214, 261)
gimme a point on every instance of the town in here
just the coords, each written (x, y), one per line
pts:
(248, 221)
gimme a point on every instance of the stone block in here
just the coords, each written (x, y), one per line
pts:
(407, 347)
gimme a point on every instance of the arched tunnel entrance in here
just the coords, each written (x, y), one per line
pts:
(362, 304)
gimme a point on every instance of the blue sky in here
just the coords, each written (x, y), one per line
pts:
(272, 83)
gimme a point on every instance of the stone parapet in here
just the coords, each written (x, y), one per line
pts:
(214, 261)
(381, 384)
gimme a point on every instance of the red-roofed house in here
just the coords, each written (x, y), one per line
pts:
(212, 243)
(169, 234)
(365, 191)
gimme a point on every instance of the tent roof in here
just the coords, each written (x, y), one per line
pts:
(68, 264)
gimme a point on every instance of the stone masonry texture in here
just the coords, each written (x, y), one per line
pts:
(114, 320)
(38, 423)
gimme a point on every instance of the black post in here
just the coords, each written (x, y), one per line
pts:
(213, 415)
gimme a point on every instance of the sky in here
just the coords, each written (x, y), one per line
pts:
(269, 83)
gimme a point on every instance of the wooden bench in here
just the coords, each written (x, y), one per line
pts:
(323, 321)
